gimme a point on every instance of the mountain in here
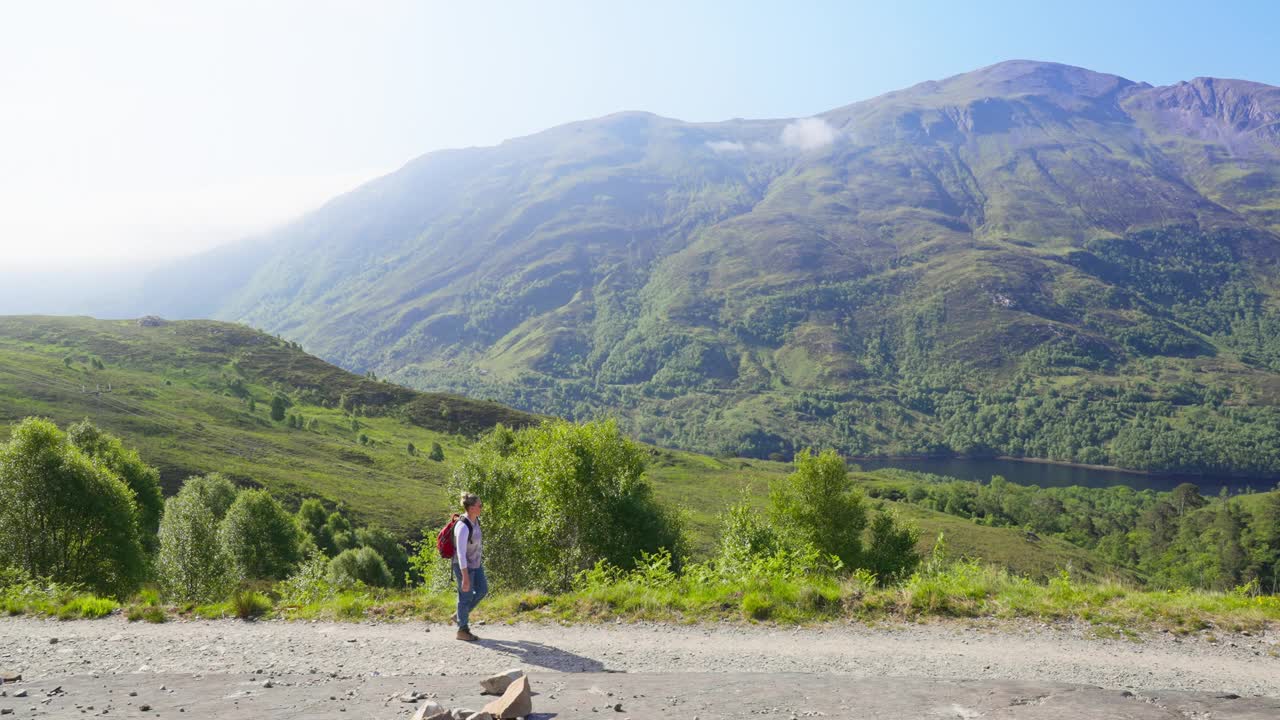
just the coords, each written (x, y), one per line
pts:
(1030, 259)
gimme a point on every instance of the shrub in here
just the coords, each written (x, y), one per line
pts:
(262, 539)
(192, 565)
(362, 565)
(249, 604)
(818, 506)
(312, 519)
(891, 549)
(64, 516)
(309, 585)
(141, 478)
(214, 490)
(559, 497)
(437, 452)
(391, 551)
(278, 404)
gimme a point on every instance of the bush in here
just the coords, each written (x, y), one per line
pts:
(391, 551)
(214, 490)
(249, 604)
(193, 565)
(64, 516)
(309, 585)
(312, 519)
(278, 404)
(559, 497)
(362, 565)
(437, 452)
(818, 506)
(141, 478)
(262, 539)
(891, 550)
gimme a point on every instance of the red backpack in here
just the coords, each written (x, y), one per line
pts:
(444, 541)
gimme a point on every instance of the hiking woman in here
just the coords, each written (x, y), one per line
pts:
(468, 568)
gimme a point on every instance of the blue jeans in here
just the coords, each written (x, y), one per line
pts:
(467, 601)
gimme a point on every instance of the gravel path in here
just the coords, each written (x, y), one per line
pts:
(1247, 665)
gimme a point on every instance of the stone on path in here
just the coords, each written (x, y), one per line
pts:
(432, 710)
(516, 702)
(498, 684)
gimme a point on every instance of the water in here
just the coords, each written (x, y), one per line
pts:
(1047, 475)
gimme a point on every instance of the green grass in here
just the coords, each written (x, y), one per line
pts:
(958, 590)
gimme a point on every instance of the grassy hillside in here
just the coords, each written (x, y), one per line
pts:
(179, 392)
(1030, 259)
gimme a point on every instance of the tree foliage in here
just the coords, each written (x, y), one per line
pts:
(262, 538)
(560, 497)
(193, 565)
(64, 516)
(818, 505)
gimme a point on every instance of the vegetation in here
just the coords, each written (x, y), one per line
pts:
(261, 538)
(787, 565)
(561, 497)
(64, 516)
(1175, 539)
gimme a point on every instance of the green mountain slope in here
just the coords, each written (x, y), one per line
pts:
(179, 392)
(1029, 259)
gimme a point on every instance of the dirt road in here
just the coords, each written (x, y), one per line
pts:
(223, 669)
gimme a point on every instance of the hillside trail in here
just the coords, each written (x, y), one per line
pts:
(282, 670)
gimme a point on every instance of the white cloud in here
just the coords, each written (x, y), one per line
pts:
(808, 134)
(726, 146)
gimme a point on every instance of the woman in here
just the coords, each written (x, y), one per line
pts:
(468, 567)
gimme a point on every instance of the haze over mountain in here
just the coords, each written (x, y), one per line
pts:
(1031, 259)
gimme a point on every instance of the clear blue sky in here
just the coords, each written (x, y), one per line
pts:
(143, 127)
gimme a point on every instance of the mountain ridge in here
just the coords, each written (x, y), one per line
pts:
(757, 285)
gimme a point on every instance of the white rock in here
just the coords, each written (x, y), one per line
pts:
(432, 710)
(498, 684)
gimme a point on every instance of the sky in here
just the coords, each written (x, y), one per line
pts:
(132, 130)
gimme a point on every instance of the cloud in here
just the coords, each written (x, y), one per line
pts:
(726, 146)
(808, 134)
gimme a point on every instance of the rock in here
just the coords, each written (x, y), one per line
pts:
(6, 711)
(516, 702)
(498, 684)
(268, 684)
(21, 693)
(53, 641)
(410, 696)
(461, 713)
(480, 716)
(432, 710)
(144, 708)
(9, 677)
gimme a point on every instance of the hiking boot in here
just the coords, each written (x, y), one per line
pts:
(466, 636)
